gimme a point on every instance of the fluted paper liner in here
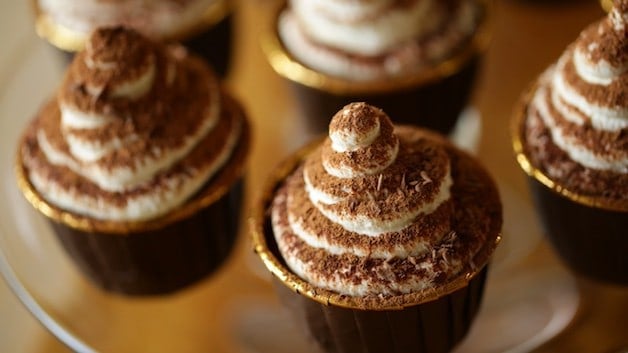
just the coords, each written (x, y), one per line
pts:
(589, 233)
(432, 97)
(435, 326)
(432, 320)
(154, 256)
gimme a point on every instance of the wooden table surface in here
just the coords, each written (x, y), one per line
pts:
(528, 35)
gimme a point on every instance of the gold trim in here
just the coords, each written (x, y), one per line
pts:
(607, 5)
(517, 132)
(288, 67)
(217, 188)
(71, 40)
(296, 284)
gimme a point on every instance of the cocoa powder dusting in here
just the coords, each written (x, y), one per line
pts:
(612, 95)
(456, 230)
(159, 120)
(204, 154)
(613, 144)
(553, 161)
(174, 107)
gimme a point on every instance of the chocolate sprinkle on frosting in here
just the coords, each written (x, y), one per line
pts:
(135, 130)
(370, 40)
(415, 218)
(577, 120)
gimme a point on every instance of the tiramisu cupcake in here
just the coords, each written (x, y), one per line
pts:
(204, 26)
(380, 236)
(571, 137)
(415, 59)
(137, 162)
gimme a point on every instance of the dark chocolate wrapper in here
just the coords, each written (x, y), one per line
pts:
(432, 320)
(214, 45)
(591, 241)
(433, 327)
(162, 260)
(435, 105)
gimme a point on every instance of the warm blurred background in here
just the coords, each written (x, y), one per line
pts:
(527, 36)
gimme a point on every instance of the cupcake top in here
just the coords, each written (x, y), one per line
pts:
(373, 39)
(155, 18)
(134, 131)
(577, 126)
(382, 211)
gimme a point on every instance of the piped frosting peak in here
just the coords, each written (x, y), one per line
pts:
(582, 98)
(128, 122)
(158, 19)
(118, 63)
(371, 210)
(361, 142)
(357, 167)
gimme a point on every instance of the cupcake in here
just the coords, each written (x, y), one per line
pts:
(379, 237)
(137, 163)
(571, 138)
(204, 26)
(417, 60)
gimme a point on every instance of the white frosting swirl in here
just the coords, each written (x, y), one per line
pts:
(138, 139)
(583, 92)
(142, 207)
(364, 28)
(155, 18)
(350, 138)
(357, 122)
(365, 40)
(370, 227)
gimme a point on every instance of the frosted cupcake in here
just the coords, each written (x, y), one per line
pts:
(137, 162)
(379, 236)
(204, 26)
(415, 59)
(571, 137)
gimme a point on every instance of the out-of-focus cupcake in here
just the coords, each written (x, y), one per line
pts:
(204, 26)
(379, 237)
(137, 163)
(416, 59)
(571, 137)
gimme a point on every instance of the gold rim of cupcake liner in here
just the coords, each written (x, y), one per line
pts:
(290, 68)
(607, 5)
(218, 186)
(258, 219)
(71, 40)
(517, 131)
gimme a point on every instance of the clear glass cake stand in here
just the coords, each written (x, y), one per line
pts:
(235, 309)
(532, 303)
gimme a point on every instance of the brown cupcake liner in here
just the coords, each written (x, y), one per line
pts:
(589, 233)
(435, 327)
(215, 45)
(433, 97)
(161, 255)
(211, 38)
(428, 321)
(591, 241)
(435, 106)
(157, 261)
